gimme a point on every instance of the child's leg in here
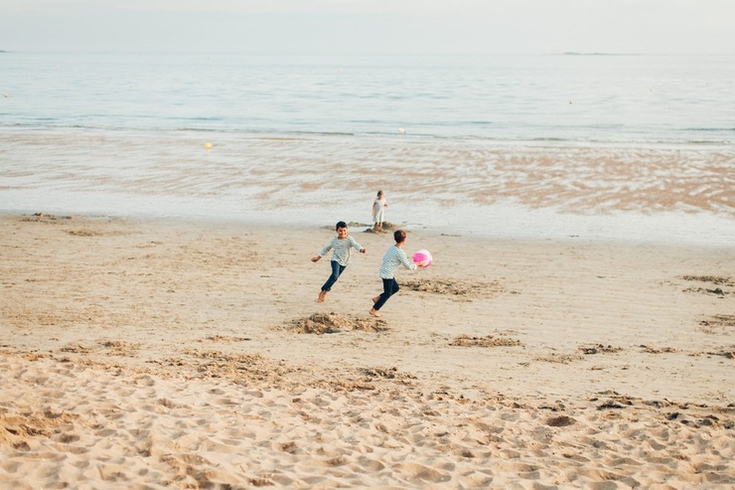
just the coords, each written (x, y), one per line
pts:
(337, 271)
(390, 287)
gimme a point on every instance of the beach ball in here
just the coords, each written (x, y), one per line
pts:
(423, 257)
(207, 146)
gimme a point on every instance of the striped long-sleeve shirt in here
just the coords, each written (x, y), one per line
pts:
(394, 257)
(342, 249)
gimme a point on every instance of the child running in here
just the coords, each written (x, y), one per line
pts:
(393, 257)
(342, 246)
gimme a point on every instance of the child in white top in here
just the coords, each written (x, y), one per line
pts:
(378, 211)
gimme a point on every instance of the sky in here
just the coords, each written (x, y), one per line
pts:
(380, 27)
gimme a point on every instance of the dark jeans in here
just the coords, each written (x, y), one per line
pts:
(390, 287)
(337, 271)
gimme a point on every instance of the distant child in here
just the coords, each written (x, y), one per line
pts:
(342, 246)
(379, 206)
(393, 257)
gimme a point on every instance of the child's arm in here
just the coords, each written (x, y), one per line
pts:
(324, 251)
(407, 263)
(357, 246)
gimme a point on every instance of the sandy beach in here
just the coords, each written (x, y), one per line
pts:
(192, 354)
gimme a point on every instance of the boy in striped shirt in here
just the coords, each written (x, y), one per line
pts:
(393, 257)
(342, 246)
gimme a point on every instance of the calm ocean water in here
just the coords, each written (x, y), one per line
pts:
(555, 145)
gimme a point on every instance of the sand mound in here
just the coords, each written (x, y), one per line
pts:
(387, 227)
(556, 358)
(599, 349)
(723, 281)
(46, 218)
(718, 282)
(719, 321)
(648, 349)
(489, 341)
(465, 289)
(321, 323)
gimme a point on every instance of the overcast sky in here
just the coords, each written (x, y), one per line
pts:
(371, 26)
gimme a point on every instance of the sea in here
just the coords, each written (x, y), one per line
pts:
(568, 145)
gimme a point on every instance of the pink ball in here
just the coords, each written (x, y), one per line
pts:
(423, 257)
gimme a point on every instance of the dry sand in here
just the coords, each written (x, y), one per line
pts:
(169, 354)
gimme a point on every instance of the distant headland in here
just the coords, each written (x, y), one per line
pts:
(576, 53)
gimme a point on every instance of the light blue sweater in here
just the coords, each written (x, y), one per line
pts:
(394, 257)
(342, 250)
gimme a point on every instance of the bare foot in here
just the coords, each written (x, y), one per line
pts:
(322, 297)
(374, 312)
(375, 299)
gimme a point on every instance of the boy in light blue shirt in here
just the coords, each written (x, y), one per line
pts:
(342, 246)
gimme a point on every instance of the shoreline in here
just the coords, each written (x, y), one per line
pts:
(504, 222)
(135, 349)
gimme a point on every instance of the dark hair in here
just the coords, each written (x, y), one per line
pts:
(399, 236)
(340, 224)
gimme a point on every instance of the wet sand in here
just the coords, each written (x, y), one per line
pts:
(495, 188)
